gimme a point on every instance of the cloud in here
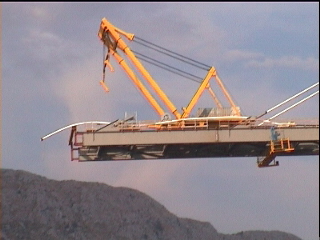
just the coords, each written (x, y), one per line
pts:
(236, 55)
(295, 62)
(39, 12)
(44, 45)
(260, 60)
(78, 88)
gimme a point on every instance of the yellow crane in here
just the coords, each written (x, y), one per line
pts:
(211, 133)
(111, 38)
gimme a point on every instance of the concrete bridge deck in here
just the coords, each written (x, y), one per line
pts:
(238, 141)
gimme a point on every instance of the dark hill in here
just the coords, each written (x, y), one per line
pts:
(34, 207)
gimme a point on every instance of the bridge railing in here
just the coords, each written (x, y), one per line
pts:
(202, 124)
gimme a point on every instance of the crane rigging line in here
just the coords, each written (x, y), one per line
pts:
(181, 57)
(144, 57)
(287, 100)
(292, 106)
(168, 69)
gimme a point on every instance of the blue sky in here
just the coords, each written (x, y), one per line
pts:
(263, 52)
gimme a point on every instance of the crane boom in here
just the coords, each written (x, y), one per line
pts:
(138, 83)
(110, 36)
(106, 31)
(205, 85)
(198, 93)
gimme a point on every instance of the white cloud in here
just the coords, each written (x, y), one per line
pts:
(309, 64)
(78, 87)
(236, 55)
(39, 12)
(45, 46)
(260, 60)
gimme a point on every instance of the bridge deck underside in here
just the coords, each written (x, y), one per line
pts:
(205, 150)
(242, 142)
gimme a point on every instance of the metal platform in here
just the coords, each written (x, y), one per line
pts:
(132, 142)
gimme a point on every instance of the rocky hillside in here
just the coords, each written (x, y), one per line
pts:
(34, 207)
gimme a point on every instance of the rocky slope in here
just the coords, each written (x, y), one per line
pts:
(34, 207)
